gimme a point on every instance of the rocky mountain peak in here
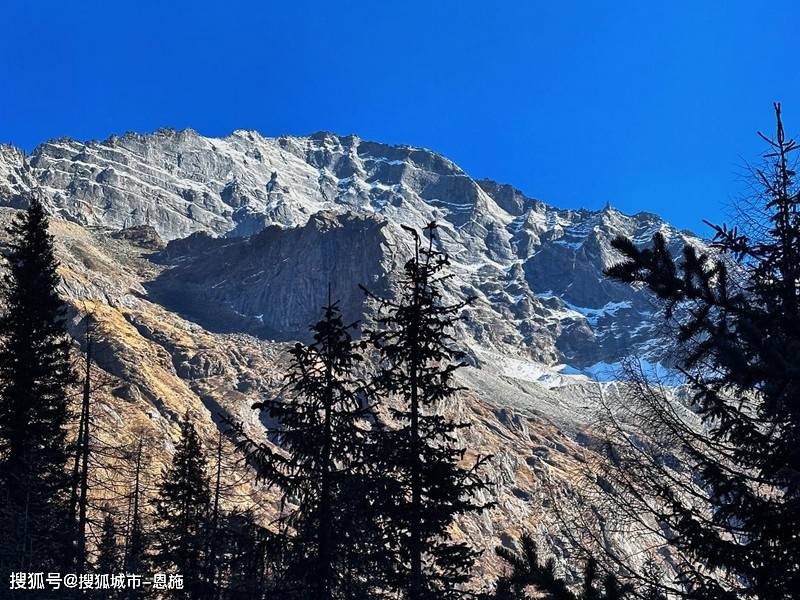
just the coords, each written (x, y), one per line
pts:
(537, 270)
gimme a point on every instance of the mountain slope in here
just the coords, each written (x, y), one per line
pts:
(203, 258)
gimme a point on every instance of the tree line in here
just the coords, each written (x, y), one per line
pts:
(369, 468)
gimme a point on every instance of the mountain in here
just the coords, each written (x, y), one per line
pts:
(201, 258)
(536, 270)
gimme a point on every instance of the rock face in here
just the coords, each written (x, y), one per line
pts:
(15, 176)
(274, 283)
(536, 270)
(199, 257)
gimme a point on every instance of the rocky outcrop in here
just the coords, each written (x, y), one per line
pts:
(16, 179)
(274, 283)
(144, 236)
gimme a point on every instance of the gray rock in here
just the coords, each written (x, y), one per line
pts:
(296, 211)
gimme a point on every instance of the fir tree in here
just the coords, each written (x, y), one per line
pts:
(737, 522)
(653, 588)
(79, 499)
(321, 469)
(424, 486)
(182, 511)
(250, 559)
(137, 541)
(213, 537)
(109, 555)
(34, 375)
(528, 573)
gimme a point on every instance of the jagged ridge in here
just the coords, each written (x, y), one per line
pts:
(537, 270)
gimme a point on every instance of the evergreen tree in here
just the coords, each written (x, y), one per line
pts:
(34, 375)
(79, 499)
(653, 588)
(182, 511)
(528, 573)
(213, 537)
(319, 427)
(137, 540)
(737, 522)
(424, 486)
(109, 558)
(250, 559)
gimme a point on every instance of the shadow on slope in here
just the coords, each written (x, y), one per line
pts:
(274, 283)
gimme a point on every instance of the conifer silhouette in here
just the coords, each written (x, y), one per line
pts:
(109, 558)
(250, 559)
(182, 511)
(79, 499)
(528, 573)
(319, 426)
(738, 309)
(34, 375)
(424, 488)
(136, 556)
(214, 526)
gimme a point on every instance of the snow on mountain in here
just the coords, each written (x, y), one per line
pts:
(536, 269)
(200, 257)
(15, 177)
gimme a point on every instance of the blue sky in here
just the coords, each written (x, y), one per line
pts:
(650, 106)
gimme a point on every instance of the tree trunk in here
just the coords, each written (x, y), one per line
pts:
(84, 471)
(324, 588)
(212, 547)
(415, 591)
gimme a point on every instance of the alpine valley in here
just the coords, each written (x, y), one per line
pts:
(203, 259)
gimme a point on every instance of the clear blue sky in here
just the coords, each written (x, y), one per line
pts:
(651, 106)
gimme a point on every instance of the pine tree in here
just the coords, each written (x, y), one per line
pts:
(182, 511)
(653, 588)
(321, 470)
(250, 558)
(109, 556)
(425, 488)
(79, 499)
(737, 523)
(136, 558)
(213, 537)
(528, 573)
(109, 559)
(34, 375)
